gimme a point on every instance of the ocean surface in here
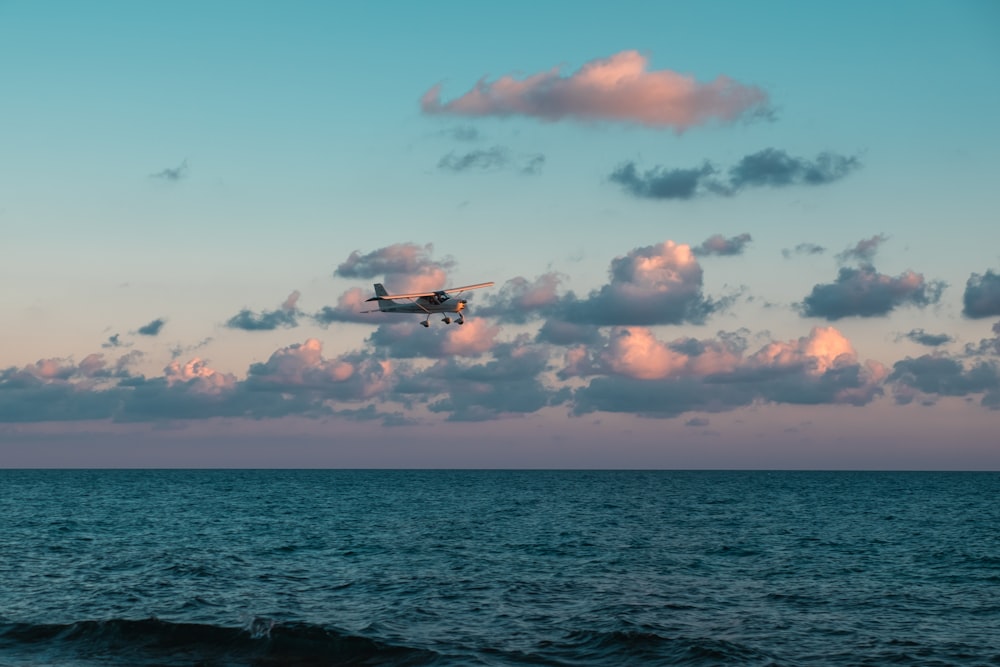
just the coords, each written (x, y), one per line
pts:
(367, 567)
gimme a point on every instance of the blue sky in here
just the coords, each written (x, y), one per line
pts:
(722, 236)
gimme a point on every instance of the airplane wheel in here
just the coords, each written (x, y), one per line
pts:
(461, 321)
(447, 320)
(425, 323)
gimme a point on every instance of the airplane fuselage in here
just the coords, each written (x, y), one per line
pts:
(423, 305)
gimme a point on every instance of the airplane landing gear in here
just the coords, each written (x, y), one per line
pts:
(425, 323)
(446, 320)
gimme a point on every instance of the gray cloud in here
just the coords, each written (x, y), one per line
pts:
(864, 292)
(179, 350)
(482, 159)
(864, 251)
(114, 341)
(662, 183)
(767, 168)
(508, 384)
(775, 168)
(719, 245)
(172, 174)
(986, 345)
(153, 328)
(982, 295)
(519, 299)
(923, 338)
(400, 258)
(931, 376)
(285, 316)
(465, 133)
(558, 332)
(803, 249)
(491, 159)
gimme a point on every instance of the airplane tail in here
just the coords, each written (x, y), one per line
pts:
(381, 291)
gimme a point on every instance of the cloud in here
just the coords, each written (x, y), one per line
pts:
(351, 307)
(491, 159)
(153, 328)
(657, 284)
(115, 341)
(719, 245)
(921, 337)
(173, 174)
(465, 133)
(863, 292)
(616, 89)
(301, 369)
(803, 249)
(982, 295)
(285, 316)
(986, 345)
(483, 159)
(769, 167)
(661, 183)
(931, 376)
(508, 384)
(864, 251)
(403, 267)
(776, 168)
(640, 374)
(198, 377)
(404, 340)
(178, 351)
(559, 332)
(519, 299)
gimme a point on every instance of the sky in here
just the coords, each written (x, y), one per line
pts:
(723, 235)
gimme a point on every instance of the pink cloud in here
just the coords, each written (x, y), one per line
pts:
(657, 284)
(619, 88)
(472, 338)
(302, 366)
(198, 377)
(635, 352)
(822, 349)
(402, 267)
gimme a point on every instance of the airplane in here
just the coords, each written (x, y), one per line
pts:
(439, 301)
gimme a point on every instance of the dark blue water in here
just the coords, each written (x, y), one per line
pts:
(498, 568)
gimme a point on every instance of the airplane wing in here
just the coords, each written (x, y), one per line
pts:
(417, 295)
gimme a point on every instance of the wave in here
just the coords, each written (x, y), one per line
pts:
(262, 643)
(591, 647)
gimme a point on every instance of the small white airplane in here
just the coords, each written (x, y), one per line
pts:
(424, 302)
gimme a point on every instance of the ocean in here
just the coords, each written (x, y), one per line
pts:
(379, 567)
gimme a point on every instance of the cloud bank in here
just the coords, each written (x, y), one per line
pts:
(598, 353)
(620, 88)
